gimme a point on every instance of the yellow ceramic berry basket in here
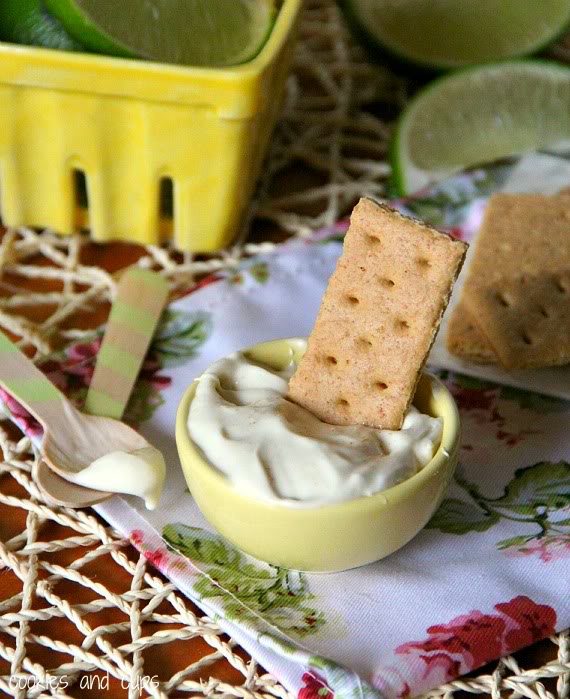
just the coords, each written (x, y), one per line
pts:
(131, 130)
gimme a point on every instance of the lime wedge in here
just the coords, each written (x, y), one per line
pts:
(189, 32)
(478, 115)
(28, 22)
(442, 34)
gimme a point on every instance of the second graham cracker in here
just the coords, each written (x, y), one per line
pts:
(465, 340)
(520, 234)
(377, 320)
(526, 318)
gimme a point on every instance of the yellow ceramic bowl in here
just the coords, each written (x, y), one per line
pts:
(331, 537)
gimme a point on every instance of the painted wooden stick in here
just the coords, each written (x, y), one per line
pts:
(141, 296)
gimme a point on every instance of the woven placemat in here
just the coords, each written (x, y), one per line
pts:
(122, 632)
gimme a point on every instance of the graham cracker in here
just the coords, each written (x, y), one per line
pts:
(520, 234)
(377, 320)
(526, 319)
(465, 340)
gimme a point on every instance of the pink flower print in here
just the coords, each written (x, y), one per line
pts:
(315, 687)
(53, 372)
(149, 373)
(484, 403)
(405, 691)
(465, 642)
(471, 640)
(80, 360)
(527, 622)
(82, 351)
(474, 398)
(210, 279)
(25, 421)
(136, 537)
(547, 548)
(151, 365)
(160, 557)
(457, 232)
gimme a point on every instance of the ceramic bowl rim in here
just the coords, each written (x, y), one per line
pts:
(188, 450)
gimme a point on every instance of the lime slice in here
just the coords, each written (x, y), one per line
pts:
(478, 115)
(190, 32)
(442, 34)
(28, 22)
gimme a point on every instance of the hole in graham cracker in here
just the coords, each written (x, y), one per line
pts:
(403, 324)
(380, 385)
(424, 262)
(561, 286)
(502, 300)
(544, 312)
(353, 300)
(373, 239)
(343, 402)
(526, 338)
(386, 282)
(365, 342)
(331, 360)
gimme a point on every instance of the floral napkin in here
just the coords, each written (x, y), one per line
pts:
(487, 576)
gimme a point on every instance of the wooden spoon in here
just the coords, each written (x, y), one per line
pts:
(73, 440)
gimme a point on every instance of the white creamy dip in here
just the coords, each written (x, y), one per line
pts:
(273, 449)
(140, 472)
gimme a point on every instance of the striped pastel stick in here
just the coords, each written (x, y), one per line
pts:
(20, 377)
(141, 296)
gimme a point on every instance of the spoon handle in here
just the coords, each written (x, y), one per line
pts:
(103, 399)
(20, 377)
(136, 310)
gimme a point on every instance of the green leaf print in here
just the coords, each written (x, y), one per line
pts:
(344, 683)
(543, 485)
(246, 588)
(179, 335)
(198, 545)
(535, 498)
(465, 381)
(260, 272)
(144, 400)
(528, 400)
(459, 517)
(514, 541)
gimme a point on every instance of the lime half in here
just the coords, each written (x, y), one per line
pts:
(443, 34)
(189, 32)
(478, 115)
(27, 22)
